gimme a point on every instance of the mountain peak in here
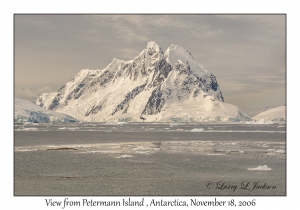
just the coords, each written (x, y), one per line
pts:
(174, 46)
(151, 44)
(176, 52)
(179, 49)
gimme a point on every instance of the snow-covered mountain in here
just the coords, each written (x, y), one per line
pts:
(26, 111)
(154, 86)
(272, 115)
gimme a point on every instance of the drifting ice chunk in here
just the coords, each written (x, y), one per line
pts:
(260, 168)
(75, 128)
(125, 156)
(216, 154)
(116, 123)
(197, 130)
(30, 129)
(271, 149)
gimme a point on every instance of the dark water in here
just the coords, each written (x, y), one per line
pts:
(149, 159)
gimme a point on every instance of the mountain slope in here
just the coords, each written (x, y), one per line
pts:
(276, 115)
(26, 111)
(154, 86)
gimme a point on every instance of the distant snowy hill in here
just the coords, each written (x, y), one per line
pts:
(154, 86)
(26, 111)
(31, 95)
(26, 94)
(275, 115)
(265, 109)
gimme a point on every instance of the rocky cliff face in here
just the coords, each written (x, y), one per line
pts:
(154, 86)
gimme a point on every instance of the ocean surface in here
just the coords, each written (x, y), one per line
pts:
(156, 159)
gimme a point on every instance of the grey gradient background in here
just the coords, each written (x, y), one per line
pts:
(247, 53)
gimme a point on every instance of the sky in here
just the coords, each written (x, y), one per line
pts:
(246, 53)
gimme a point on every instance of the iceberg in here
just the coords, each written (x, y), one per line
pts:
(197, 130)
(125, 156)
(260, 168)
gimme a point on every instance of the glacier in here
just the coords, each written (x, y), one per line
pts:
(26, 111)
(274, 115)
(155, 86)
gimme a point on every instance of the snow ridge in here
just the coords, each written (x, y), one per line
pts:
(154, 86)
(26, 111)
(276, 114)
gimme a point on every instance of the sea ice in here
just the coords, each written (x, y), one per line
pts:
(24, 150)
(75, 128)
(197, 130)
(260, 168)
(115, 123)
(125, 156)
(216, 154)
(30, 129)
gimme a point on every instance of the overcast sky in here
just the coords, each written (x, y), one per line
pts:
(246, 53)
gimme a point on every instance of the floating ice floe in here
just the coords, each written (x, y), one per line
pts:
(24, 150)
(216, 154)
(116, 123)
(29, 129)
(265, 145)
(260, 168)
(197, 130)
(125, 156)
(173, 124)
(146, 149)
(74, 128)
(272, 150)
